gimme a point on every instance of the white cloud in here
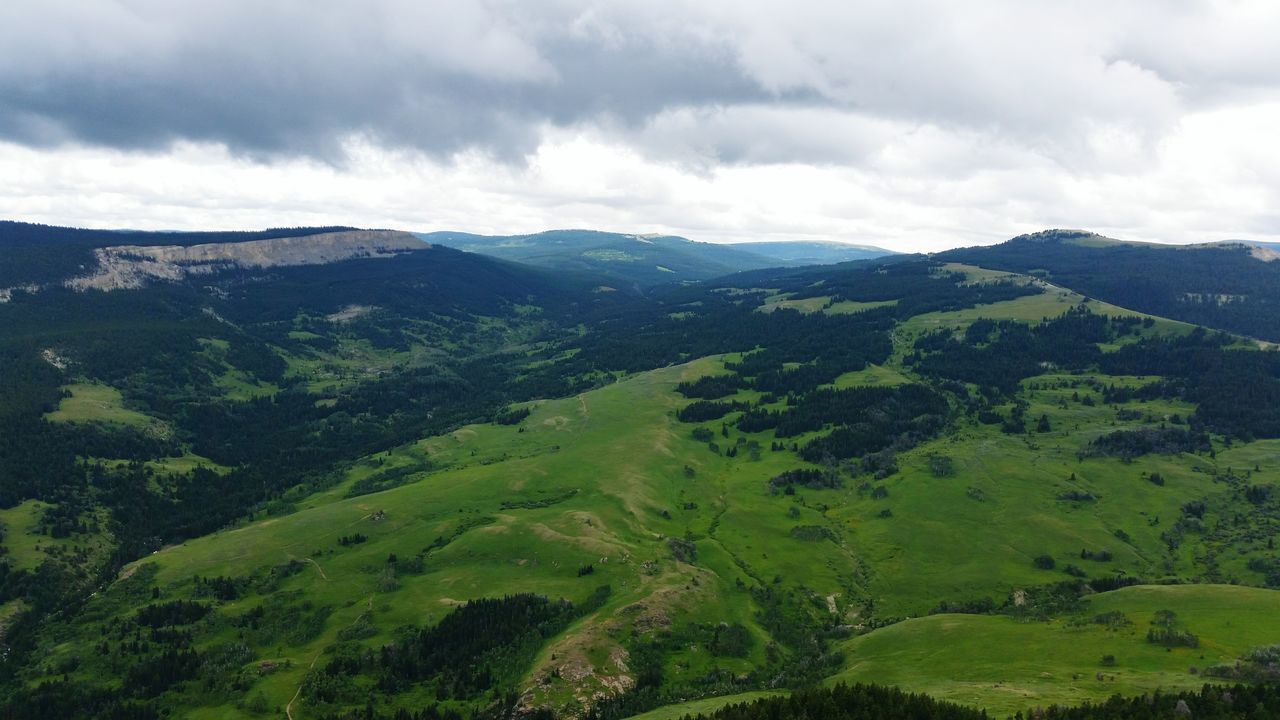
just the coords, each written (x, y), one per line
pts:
(915, 124)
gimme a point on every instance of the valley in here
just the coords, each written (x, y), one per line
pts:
(954, 480)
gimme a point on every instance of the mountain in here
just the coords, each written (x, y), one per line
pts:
(804, 252)
(1231, 286)
(646, 260)
(41, 254)
(428, 483)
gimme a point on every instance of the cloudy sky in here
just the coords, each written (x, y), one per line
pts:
(911, 124)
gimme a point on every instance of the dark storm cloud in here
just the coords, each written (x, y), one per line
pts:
(294, 83)
(712, 82)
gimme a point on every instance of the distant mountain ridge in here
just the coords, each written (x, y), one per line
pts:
(35, 254)
(646, 260)
(812, 252)
(1230, 286)
(132, 266)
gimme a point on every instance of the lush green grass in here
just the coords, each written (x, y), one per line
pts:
(820, 304)
(97, 403)
(975, 274)
(974, 533)
(872, 375)
(1007, 665)
(28, 548)
(609, 477)
(24, 544)
(617, 520)
(804, 305)
(846, 307)
(1051, 303)
(622, 455)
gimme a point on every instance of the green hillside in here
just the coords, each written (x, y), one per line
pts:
(645, 260)
(1231, 286)
(449, 486)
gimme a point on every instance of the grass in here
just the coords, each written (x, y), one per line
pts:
(1006, 665)
(28, 548)
(1051, 303)
(823, 304)
(90, 402)
(784, 300)
(848, 307)
(508, 489)
(609, 477)
(871, 375)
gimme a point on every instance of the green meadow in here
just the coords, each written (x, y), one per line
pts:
(1008, 665)
(89, 402)
(610, 480)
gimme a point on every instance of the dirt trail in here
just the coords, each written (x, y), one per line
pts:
(288, 709)
(313, 562)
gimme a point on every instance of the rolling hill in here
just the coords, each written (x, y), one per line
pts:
(1231, 286)
(647, 260)
(802, 252)
(441, 484)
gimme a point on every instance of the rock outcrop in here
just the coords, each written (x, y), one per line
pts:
(133, 266)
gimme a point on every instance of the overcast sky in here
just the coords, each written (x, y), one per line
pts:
(910, 124)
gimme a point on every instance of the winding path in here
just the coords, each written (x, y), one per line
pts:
(288, 709)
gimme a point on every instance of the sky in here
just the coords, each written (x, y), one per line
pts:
(914, 125)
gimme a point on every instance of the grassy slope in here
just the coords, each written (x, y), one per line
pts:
(97, 403)
(28, 548)
(1008, 665)
(624, 456)
(615, 521)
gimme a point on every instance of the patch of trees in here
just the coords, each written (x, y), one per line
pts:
(177, 612)
(512, 417)
(704, 410)
(283, 618)
(1269, 567)
(555, 499)
(871, 419)
(387, 479)
(812, 533)
(1129, 444)
(1259, 665)
(1077, 496)
(682, 550)
(806, 477)
(219, 588)
(1015, 351)
(731, 640)
(1165, 631)
(477, 647)
(845, 702)
(1214, 702)
(710, 387)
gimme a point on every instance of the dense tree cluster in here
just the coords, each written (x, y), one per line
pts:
(846, 702)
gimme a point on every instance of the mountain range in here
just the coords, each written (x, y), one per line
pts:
(340, 473)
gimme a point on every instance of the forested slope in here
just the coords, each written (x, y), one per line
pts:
(442, 485)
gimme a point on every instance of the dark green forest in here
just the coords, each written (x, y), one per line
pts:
(471, 336)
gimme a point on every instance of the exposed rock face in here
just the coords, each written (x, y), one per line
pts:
(133, 266)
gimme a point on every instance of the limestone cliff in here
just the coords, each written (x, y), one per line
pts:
(133, 266)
